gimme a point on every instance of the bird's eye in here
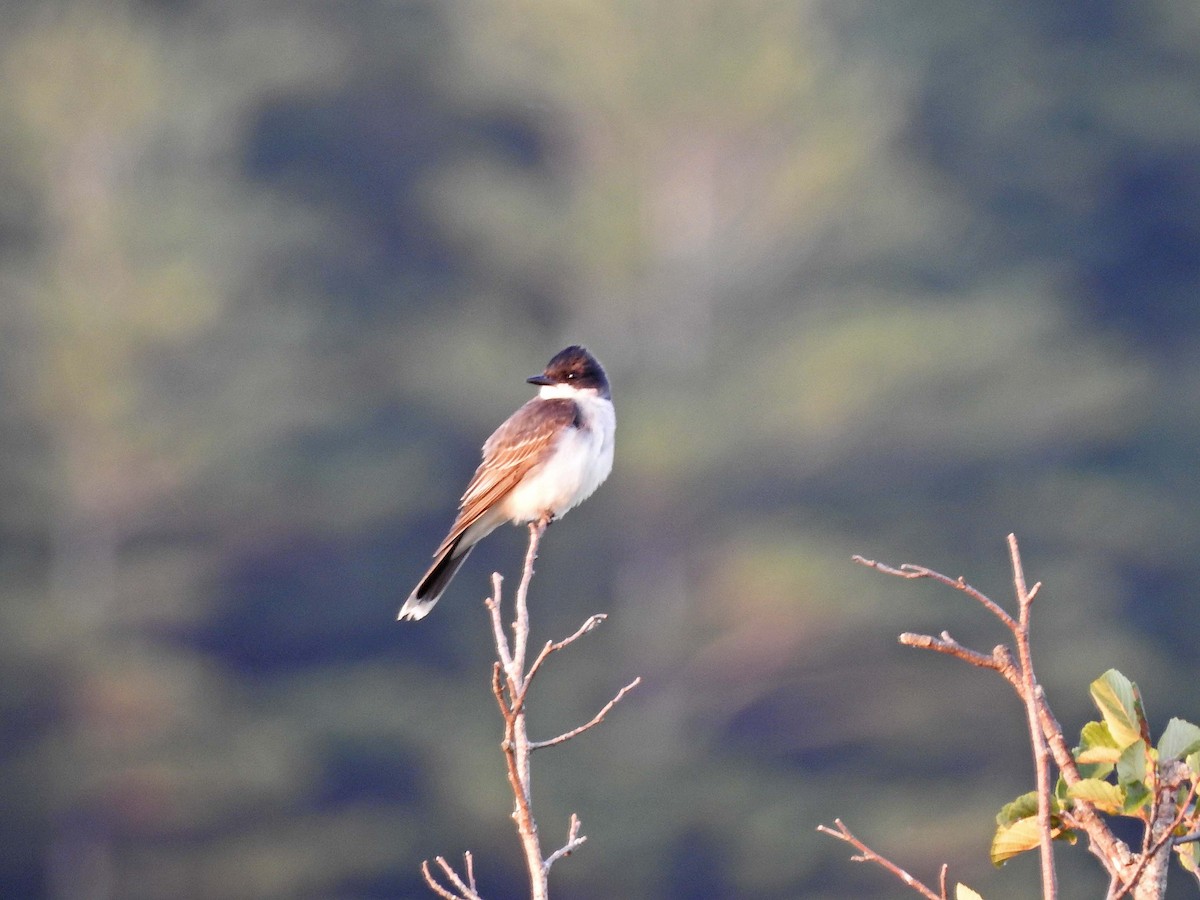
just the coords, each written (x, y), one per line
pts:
(571, 376)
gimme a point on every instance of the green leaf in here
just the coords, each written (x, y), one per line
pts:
(1189, 856)
(1137, 799)
(1178, 739)
(1012, 840)
(1023, 834)
(1022, 808)
(1118, 700)
(1104, 796)
(1096, 745)
(1193, 762)
(962, 892)
(1132, 766)
(1096, 771)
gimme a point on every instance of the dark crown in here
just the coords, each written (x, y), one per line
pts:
(577, 367)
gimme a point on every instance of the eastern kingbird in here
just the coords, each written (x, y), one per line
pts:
(548, 457)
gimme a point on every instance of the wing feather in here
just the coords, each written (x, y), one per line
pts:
(517, 447)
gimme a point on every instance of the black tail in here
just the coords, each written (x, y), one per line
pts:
(431, 587)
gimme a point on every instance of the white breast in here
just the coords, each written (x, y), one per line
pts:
(578, 465)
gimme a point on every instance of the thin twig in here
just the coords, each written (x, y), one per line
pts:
(493, 606)
(433, 882)
(469, 860)
(595, 720)
(574, 840)
(911, 572)
(455, 880)
(498, 691)
(466, 889)
(554, 646)
(866, 854)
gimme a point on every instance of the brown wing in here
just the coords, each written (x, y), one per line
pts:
(515, 448)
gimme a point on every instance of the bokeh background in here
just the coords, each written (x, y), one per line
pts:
(884, 278)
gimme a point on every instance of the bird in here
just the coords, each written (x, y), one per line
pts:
(545, 459)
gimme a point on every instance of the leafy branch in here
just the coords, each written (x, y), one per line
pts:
(1115, 770)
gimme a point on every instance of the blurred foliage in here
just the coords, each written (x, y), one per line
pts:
(883, 278)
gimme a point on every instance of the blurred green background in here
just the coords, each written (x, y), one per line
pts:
(884, 278)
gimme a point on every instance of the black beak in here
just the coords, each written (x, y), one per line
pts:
(539, 379)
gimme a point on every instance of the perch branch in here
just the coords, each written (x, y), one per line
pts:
(510, 685)
(521, 602)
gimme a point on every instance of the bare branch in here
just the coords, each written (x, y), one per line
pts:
(948, 645)
(469, 862)
(458, 882)
(521, 625)
(1044, 727)
(516, 758)
(433, 883)
(493, 607)
(574, 840)
(1029, 696)
(498, 691)
(510, 685)
(466, 889)
(1014, 552)
(866, 854)
(554, 646)
(595, 720)
(911, 572)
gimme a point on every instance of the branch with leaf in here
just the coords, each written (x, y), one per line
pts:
(1116, 771)
(511, 681)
